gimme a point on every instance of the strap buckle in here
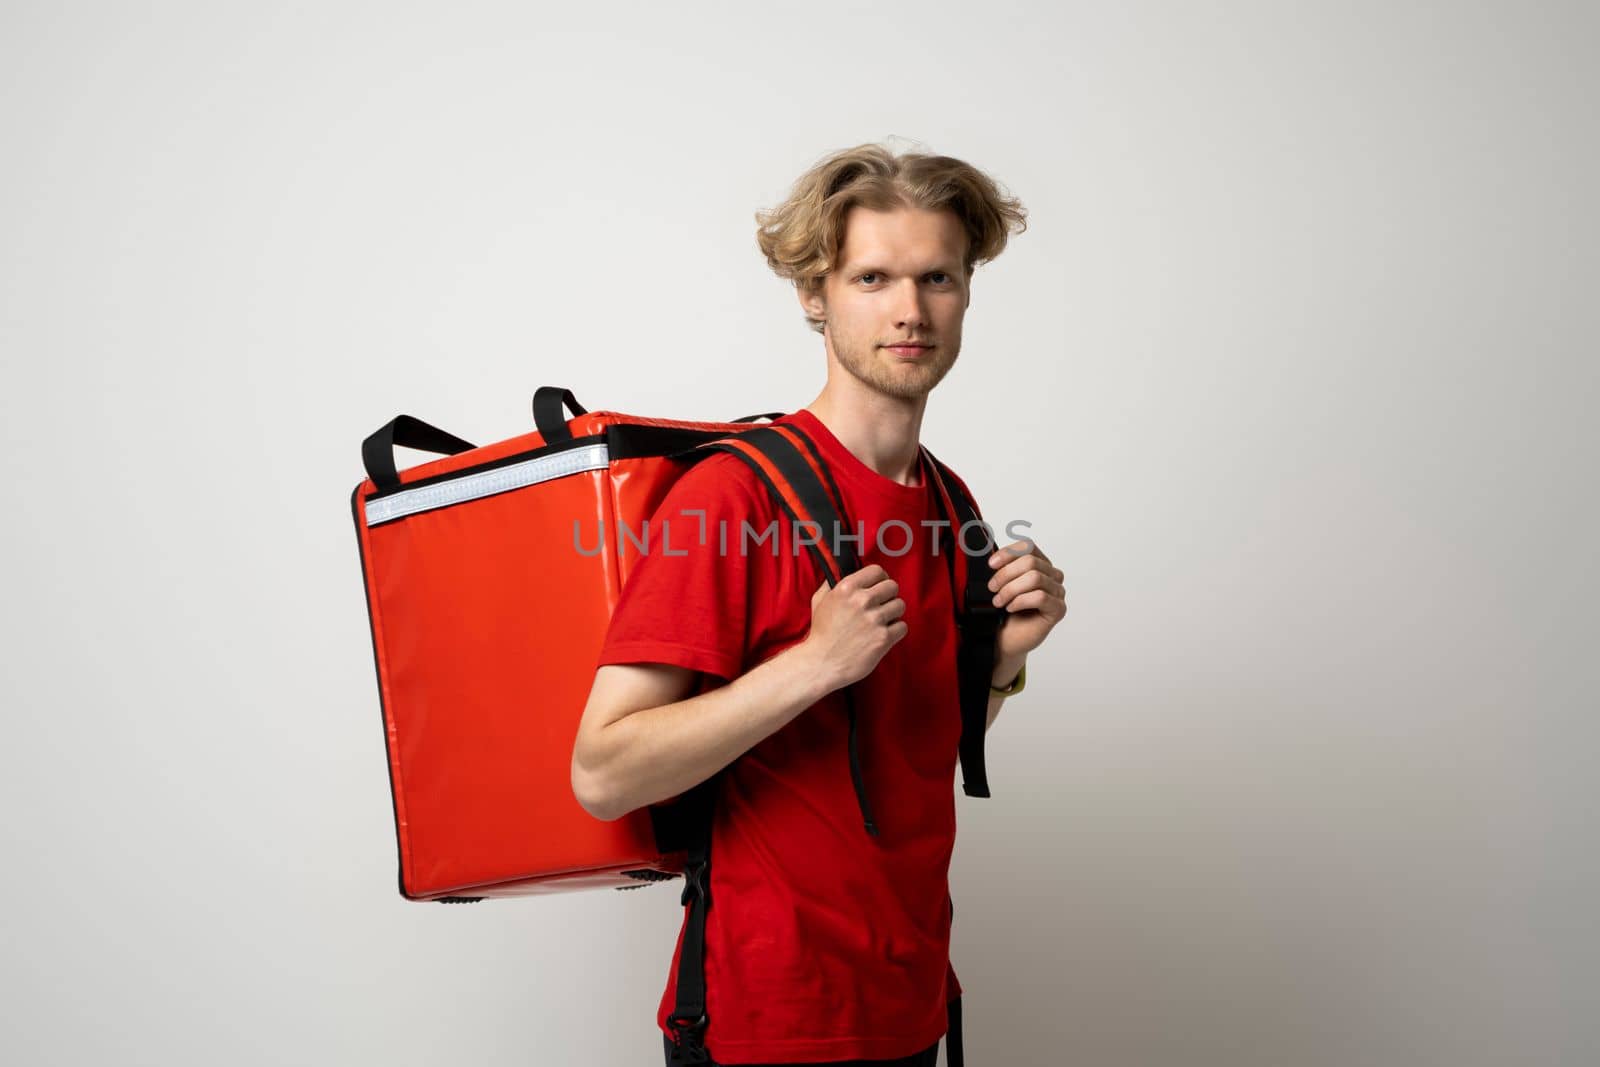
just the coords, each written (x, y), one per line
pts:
(688, 1039)
(695, 883)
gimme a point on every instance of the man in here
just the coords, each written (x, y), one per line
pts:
(823, 942)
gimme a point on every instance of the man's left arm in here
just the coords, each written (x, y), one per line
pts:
(1028, 587)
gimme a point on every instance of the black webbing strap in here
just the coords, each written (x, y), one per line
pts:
(822, 465)
(377, 451)
(848, 562)
(974, 664)
(818, 508)
(802, 479)
(977, 622)
(547, 416)
(688, 1018)
(953, 1054)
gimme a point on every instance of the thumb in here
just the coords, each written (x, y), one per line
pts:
(822, 591)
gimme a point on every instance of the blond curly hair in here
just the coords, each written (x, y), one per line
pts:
(801, 237)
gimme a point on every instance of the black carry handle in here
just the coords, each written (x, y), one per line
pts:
(547, 416)
(768, 415)
(377, 451)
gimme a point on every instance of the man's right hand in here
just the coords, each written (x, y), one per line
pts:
(855, 623)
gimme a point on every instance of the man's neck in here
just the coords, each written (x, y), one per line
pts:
(881, 431)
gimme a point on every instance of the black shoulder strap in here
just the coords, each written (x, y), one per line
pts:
(776, 460)
(977, 622)
(807, 500)
(696, 809)
(772, 455)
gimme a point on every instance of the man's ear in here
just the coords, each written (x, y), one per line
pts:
(813, 302)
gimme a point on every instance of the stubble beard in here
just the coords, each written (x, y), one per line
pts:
(873, 366)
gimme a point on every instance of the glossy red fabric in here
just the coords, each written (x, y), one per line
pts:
(822, 943)
(485, 615)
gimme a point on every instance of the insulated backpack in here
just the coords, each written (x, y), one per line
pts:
(486, 619)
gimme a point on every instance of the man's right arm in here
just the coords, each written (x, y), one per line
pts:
(643, 740)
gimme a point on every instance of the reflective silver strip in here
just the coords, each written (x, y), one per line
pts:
(487, 483)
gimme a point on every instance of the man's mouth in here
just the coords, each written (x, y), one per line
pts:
(908, 350)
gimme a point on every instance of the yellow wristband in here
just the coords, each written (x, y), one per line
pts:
(1016, 684)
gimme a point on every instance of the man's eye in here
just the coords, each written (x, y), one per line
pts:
(938, 275)
(866, 278)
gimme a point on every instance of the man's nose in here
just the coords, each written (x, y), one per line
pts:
(910, 310)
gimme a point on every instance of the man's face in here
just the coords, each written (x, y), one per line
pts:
(901, 277)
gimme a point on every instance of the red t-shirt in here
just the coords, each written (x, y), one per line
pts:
(822, 943)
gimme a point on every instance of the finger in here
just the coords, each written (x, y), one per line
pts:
(891, 611)
(1039, 600)
(887, 589)
(869, 575)
(1032, 580)
(1017, 568)
(1001, 556)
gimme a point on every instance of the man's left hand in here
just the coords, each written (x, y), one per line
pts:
(1028, 586)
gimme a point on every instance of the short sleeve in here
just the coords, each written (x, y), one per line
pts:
(687, 600)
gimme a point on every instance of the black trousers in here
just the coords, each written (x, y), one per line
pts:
(928, 1057)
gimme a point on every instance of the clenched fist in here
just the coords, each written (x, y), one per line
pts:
(855, 623)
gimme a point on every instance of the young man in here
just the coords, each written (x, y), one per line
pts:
(823, 943)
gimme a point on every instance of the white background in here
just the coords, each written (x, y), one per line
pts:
(1293, 372)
